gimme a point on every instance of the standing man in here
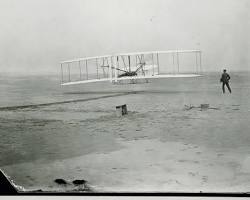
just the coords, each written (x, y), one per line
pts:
(225, 81)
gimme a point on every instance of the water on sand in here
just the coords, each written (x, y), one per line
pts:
(158, 146)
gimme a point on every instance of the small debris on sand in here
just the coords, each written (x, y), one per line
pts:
(202, 107)
(188, 107)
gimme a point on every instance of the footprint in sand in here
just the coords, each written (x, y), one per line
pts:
(204, 179)
(191, 173)
(173, 181)
(29, 177)
(149, 149)
(189, 161)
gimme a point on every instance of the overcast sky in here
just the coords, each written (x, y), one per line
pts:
(36, 35)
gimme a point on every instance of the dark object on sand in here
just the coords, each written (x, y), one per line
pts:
(121, 110)
(60, 181)
(79, 182)
(207, 106)
(204, 106)
(188, 107)
(5, 185)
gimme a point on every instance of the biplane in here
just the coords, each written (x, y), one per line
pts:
(131, 67)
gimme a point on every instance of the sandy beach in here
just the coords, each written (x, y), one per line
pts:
(67, 66)
(160, 146)
(149, 166)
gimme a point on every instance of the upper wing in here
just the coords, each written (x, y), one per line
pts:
(131, 66)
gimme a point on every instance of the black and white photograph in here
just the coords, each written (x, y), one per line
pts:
(124, 97)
